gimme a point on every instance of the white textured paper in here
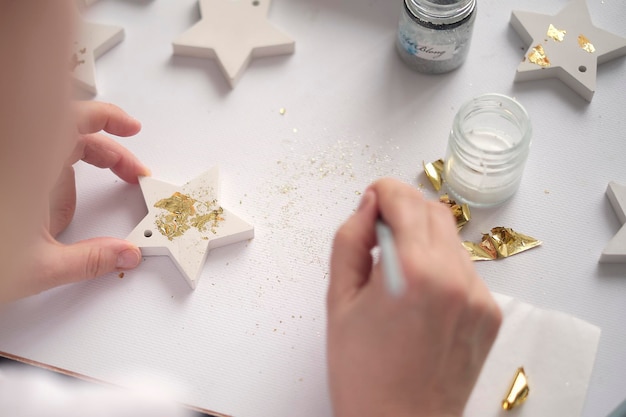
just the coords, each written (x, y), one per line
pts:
(557, 352)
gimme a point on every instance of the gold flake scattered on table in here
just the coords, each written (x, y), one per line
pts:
(501, 243)
(556, 34)
(518, 392)
(282, 111)
(538, 56)
(586, 44)
(434, 172)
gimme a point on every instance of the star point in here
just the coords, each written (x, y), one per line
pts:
(615, 250)
(93, 41)
(573, 55)
(233, 32)
(188, 231)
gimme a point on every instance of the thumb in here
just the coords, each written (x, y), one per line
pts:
(351, 259)
(89, 259)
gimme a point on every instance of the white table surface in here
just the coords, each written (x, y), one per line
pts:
(249, 341)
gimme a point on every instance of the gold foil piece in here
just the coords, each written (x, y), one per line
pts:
(483, 251)
(461, 212)
(586, 44)
(183, 213)
(556, 34)
(508, 242)
(434, 172)
(538, 56)
(518, 392)
(501, 243)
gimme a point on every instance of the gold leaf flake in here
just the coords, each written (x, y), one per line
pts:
(518, 392)
(538, 56)
(556, 34)
(212, 219)
(483, 251)
(434, 172)
(501, 243)
(586, 44)
(461, 212)
(508, 242)
(183, 212)
(75, 62)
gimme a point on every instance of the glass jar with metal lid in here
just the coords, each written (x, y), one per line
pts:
(434, 35)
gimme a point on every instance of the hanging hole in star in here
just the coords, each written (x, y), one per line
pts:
(582, 68)
(147, 233)
(256, 2)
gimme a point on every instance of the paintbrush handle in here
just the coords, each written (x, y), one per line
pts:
(394, 279)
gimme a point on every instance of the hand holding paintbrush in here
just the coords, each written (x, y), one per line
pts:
(407, 336)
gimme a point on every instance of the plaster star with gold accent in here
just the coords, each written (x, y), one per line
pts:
(233, 32)
(615, 250)
(200, 223)
(572, 47)
(93, 41)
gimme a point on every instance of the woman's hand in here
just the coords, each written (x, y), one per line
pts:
(51, 263)
(418, 355)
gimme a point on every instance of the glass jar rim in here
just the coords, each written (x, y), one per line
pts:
(441, 14)
(503, 104)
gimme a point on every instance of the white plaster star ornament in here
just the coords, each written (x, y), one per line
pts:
(186, 222)
(233, 32)
(93, 41)
(615, 250)
(566, 46)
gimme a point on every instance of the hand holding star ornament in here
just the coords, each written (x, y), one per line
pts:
(233, 32)
(186, 222)
(566, 46)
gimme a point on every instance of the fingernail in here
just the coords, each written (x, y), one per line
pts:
(128, 259)
(366, 199)
(146, 171)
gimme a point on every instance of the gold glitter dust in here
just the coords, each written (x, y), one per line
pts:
(556, 34)
(358, 193)
(295, 130)
(184, 212)
(120, 275)
(538, 56)
(282, 111)
(586, 44)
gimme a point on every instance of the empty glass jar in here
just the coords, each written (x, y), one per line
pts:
(487, 150)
